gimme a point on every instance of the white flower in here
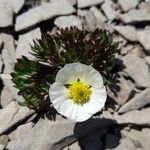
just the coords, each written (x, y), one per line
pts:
(78, 91)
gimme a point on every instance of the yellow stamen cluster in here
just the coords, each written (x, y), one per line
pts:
(79, 91)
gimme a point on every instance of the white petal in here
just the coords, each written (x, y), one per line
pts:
(97, 101)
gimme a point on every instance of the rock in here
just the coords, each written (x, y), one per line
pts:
(55, 135)
(1, 64)
(72, 2)
(143, 38)
(111, 141)
(17, 5)
(41, 13)
(6, 97)
(134, 117)
(14, 114)
(91, 21)
(8, 52)
(145, 6)
(87, 3)
(74, 146)
(4, 139)
(126, 144)
(147, 59)
(124, 90)
(2, 147)
(137, 102)
(137, 69)
(126, 49)
(21, 131)
(108, 10)
(6, 13)
(68, 21)
(127, 5)
(100, 18)
(140, 138)
(135, 16)
(128, 32)
(24, 47)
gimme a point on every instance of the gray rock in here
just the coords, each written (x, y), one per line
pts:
(123, 93)
(68, 21)
(17, 5)
(147, 59)
(74, 146)
(8, 52)
(128, 32)
(87, 3)
(126, 144)
(145, 6)
(11, 115)
(137, 102)
(134, 117)
(140, 138)
(100, 18)
(137, 69)
(55, 135)
(6, 97)
(72, 2)
(91, 21)
(4, 139)
(127, 5)
(126, 49)
(2, 147)
(1, 64)
(25, 41)
(21, 131)
(6, 13)
(144, 38)
(41, 13)
(108, 10)
(135, 16)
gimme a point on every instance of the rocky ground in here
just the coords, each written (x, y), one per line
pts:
(124, 124)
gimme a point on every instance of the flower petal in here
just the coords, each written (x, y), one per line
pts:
(97, 101)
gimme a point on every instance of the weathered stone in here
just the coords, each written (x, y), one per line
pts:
(56, 135)
(98, 14)
(1, 64)
(134, 117)
(68, 21)
(6, 97)
(2, 147)
(124, 91)
(17, 5)
(6, 13)
(145, 6)
(135, 16)
(147, 59)
(128, 32)
(137, 69)
(4, 139)
(11, 115)
(8, 52)
(91, 21)
(21, 131)
(137, 102)
(24, 43)
(127, 5)
(144, 38)
(108, 10)
(72, 2)
(41, 13)
(126, 144)
(87, 3)
(140, 138)
(74, 146)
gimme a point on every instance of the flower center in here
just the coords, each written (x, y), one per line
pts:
(79, 91)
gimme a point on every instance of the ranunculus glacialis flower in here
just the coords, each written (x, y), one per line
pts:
(78, 91)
